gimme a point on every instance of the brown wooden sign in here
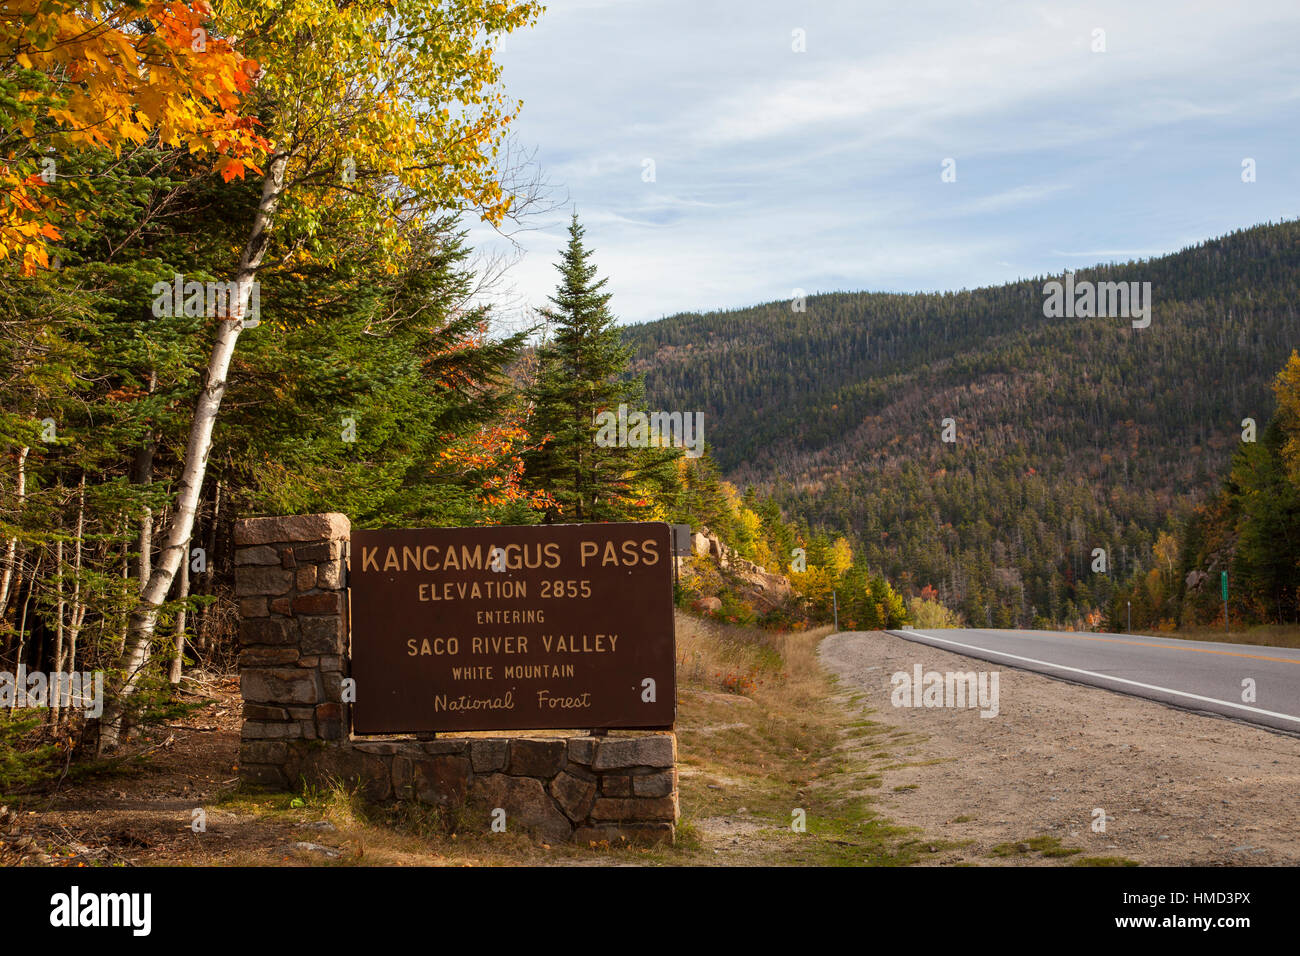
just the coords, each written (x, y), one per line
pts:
(512, 628)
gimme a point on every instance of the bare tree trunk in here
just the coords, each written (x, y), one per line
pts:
(144, 546)
(58, 634)
(144, 618)
(184, 592)
(205, 586)
(78, 607)
(119, 624)
(11, 550)
(22, 622)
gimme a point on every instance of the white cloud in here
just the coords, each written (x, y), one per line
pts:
(777, 169)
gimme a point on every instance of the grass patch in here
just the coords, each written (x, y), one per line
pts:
(749, 760)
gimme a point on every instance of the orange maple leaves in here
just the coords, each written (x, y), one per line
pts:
(23, 226)
(105, 75)
(495, 455)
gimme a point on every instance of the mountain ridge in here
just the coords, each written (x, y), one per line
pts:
(1086, 424)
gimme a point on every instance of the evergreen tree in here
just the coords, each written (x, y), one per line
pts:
(1267, 562)
(582, 372)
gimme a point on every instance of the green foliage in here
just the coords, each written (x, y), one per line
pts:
(701, 499)
(26, 758)
(735, 610)
(700, 577)
(869, 602)
(357, 383)
(404, 353)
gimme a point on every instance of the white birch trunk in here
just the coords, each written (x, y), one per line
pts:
(58, 632)
(78, 608)
(183, 592)
(144, 619)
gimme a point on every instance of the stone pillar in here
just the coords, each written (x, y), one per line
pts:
(290, 579)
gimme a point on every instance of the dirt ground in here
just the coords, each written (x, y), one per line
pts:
(142, 812)
(882, 785)
(1177, 788)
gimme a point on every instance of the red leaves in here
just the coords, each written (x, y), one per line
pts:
(496, 451)
(231, 168)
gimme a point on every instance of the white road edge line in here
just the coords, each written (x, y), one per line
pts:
(1120, 680)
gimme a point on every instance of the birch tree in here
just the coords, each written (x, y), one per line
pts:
(380, 115)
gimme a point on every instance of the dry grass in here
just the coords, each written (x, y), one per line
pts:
(724, 657)
(764, 732)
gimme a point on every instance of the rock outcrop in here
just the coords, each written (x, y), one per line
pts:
(764, 591)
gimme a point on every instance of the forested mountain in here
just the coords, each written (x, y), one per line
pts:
(1071, 433)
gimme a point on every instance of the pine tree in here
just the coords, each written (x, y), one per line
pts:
(1266, 565)
(582, 372)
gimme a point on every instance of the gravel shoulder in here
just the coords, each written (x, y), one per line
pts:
(1177, 788)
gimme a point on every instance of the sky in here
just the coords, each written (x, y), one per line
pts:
(822, 170)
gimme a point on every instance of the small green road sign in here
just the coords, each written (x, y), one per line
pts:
(1223, 579)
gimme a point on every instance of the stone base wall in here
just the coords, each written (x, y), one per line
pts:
(291, 584)
(558, 789)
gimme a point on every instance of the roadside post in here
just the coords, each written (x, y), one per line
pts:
(1223, 579)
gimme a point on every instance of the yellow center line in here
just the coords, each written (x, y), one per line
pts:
(1174, 647)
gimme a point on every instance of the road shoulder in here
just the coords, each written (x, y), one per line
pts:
(1176, 788)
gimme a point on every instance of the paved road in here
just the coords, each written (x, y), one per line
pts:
(1197, 675)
